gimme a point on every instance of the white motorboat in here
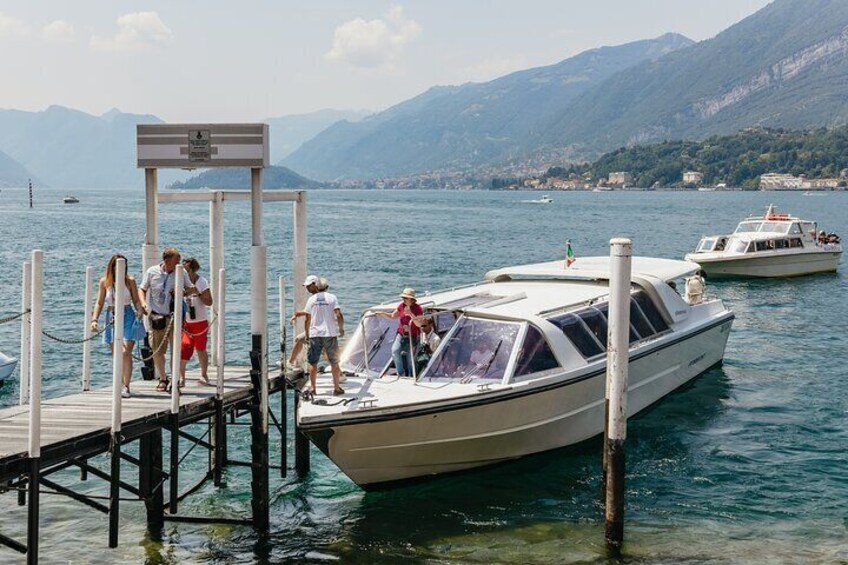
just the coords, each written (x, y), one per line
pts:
(7, 366)
(543, 200)
(520, 370)
(772, 245)
(70, 200)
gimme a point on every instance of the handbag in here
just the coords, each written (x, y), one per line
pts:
(139, 330)
(158, 321)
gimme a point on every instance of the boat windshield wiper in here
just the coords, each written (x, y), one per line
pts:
(473, 373)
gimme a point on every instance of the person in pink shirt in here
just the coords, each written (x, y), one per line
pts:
(408, 331)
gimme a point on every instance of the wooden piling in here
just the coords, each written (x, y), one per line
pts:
(150, 478)
(260, 493)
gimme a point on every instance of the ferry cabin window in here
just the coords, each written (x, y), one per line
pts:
(578, 334)
(795, 242)
(763, 245)
(808, 228)
(781, 243)
(639, 322)
(738, 247)
(475, 349)
(535, 354)
(707, 244)
(650, 310)
(596, 321)
(746, 227)
(774, 227)
(795, 228)
(380, 332)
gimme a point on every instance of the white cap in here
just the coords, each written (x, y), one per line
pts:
(311, 279)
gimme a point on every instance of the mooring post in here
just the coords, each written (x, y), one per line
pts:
(150, 480)
(86, 329)
(150, 249)
(299, 260)
(220, 418)
(284, 389)
(301, 442)
(176, 345)
(617, 366)
(259, 358)
(34, 450)
(117, 389)
(26, 353)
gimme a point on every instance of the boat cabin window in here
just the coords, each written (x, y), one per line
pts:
(739, 246)
(764, 245)
(443, 321)
(379, 333)
(795, 228)
(781, 243)
(795, 242)
(808, 227)
(577, 332)
(778, 227)
(650, 311)
(590, 336)
(535, 354)
(747, 227)
(474, 349)
(707, 244)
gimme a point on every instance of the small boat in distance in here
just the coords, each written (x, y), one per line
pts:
(520, 369)
(808, 193)
(70, 200)
(543, 200)
(7, 365)
(772, 245)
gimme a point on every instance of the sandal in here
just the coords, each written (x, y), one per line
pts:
(163, 386)
(338, 391)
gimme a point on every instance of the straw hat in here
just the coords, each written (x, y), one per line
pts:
(408, 293)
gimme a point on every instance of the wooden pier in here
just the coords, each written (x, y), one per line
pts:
(77, 427)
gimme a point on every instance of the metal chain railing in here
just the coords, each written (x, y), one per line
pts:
(13, 317)
(93, 335)
(162, 344)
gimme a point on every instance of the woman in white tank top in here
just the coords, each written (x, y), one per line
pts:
(134, 311)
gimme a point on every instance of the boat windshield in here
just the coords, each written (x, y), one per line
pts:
(380, 333)
(475, 349)
(776, 227)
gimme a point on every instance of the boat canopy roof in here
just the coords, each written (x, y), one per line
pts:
(594, 268)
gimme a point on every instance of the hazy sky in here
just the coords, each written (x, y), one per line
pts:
(186, 60)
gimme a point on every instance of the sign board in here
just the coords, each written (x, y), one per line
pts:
(199, 147)
(189, 146)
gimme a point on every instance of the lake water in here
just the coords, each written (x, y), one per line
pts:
(747, 463)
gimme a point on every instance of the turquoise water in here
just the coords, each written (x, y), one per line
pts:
(748, 463)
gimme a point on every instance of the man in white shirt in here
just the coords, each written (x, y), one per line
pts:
(324, 325)
(157, 292)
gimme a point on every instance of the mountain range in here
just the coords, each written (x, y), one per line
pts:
(784, 66)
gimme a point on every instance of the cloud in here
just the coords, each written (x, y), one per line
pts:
(373, 44)
(12, 27)
(58, 32)
(138, 31)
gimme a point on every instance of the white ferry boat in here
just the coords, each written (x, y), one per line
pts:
(520, 370)
(772, 245)
(543, 200)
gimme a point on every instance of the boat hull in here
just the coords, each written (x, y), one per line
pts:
(775, 265)
(548, 416)
(7, 367)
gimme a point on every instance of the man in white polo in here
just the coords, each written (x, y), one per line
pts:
(324, 325)
(157, 291)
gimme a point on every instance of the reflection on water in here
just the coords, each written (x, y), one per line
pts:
(746, 464)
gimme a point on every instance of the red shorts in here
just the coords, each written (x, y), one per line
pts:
(194, 337)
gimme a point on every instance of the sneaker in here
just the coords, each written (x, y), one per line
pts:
(126, 392)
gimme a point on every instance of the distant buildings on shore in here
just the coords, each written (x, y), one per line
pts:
(780, 181)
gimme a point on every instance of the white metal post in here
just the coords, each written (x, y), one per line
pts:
(176, 344)
(222, 316)
(216, 262)
(26, 351)
(86, 332)
(299, 267)
(118, 343)
(35, 363)
(282, 284)
(617, 366)
(150, 249)
(259, 287)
